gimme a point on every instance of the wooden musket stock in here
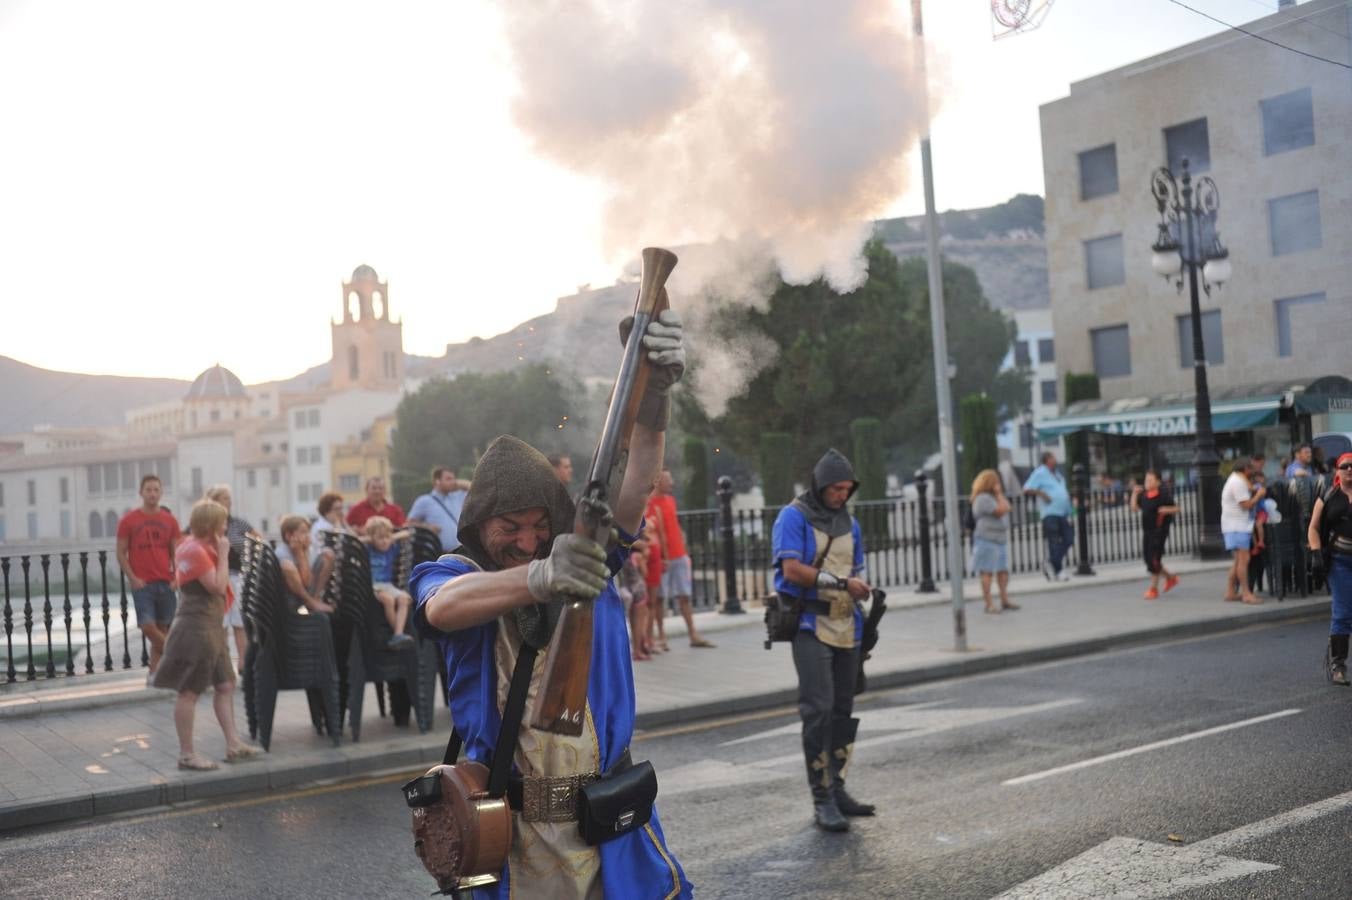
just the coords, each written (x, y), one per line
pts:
(560, 707)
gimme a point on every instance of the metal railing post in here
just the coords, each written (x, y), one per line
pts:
(926, 566)
(1082, 517)
(731, 605)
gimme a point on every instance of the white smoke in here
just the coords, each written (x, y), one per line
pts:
(768, 132)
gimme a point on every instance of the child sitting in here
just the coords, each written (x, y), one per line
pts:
(380, 539)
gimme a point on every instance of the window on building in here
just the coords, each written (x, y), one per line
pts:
(352, 363)
(215, 415)
(1293, 223)
(1188, 141)
(2, 529)
(303, 493)
(274, 476)
(65, 490)
(2, 495)
(110, 524)
(1103, 262)
(65, 523)
(1112, 351)
(94, 476)
(316, 490)
(316, 455)
(1212, 343)
(349, 483)
(129, 476)
(1296, 316)
(165, 470)
(1049, 392)
(197, 485)
(1025, 434)
(95, 526)
(312, 418)
(1021, 354)
(267, 448)
(1046, 350)
(110, 477)
(263, 526)
(1288, 121)
(298, 417)
(252, 477)
(302, 456)
(32, 492)
(1098, 172)
(32, 526)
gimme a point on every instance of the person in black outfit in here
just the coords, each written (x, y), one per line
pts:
(1331, 532)
(1156, 506)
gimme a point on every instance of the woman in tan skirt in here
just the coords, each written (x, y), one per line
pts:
(195, 653)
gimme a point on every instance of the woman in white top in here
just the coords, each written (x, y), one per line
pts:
(1237, 498)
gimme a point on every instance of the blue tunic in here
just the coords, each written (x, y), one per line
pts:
(793, 538)
(637, 865)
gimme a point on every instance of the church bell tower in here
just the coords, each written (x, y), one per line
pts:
(368, 346)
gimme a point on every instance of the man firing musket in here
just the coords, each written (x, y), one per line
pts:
(534, 573)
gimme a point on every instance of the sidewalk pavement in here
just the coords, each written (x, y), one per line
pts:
(92, 745)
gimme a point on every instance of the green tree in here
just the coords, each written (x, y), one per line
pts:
(859, 355)
(867, 457)
(1079, 387)
(776, 467)
(452, 422)
(694, 473)
(979, 449)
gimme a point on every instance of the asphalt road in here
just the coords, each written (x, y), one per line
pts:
(936, 759)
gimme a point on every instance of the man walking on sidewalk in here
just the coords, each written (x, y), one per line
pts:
(146, 538)
(439, 509)
(677, 578)
(1053, 505)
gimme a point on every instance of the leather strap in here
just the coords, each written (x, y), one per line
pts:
(508, 729)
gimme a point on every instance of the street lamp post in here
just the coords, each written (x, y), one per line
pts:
(1188, 242)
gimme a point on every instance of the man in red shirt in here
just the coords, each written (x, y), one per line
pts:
(677, 579)
(375, 505)
(146, 538)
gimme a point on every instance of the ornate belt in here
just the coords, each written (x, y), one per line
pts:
(547, 799)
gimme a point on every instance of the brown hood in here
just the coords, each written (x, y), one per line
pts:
(511, 476)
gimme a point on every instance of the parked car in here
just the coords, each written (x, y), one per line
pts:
(1334, 444)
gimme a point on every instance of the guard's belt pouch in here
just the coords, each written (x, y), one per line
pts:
(617, 804)
(781, 617)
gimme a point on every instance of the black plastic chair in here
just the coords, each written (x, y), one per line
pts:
(287, 650)
(361, 634)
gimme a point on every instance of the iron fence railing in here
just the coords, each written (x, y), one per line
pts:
(894, 548)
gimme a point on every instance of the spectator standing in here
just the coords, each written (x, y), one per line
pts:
(439, 509)
(819, 558)
(990, 538)
(1053, 505)
(1155, 503)
(656, 633)
(293, 558)
(677, 577)
(375, 504)
(1302, 464)
(1331, 532)
(633, 582)
(1237, 498)
(236, 530)
(382, 548)
(562, 464)
(146, 538)
(196, 655)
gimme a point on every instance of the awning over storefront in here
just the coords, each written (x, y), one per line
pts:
(1234, 409)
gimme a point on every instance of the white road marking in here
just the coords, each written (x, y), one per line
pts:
(1127, 867)
(1146, 748)
(899, 724)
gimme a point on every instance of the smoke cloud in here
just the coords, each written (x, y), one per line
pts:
(766, 133)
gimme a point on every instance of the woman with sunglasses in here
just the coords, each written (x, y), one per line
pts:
(1331, 524)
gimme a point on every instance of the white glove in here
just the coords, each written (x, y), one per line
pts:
(576, 566)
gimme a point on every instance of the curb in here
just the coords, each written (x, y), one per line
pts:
(988, 663)
(347, 761)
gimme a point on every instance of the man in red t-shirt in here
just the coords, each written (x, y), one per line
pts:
(375, 505)
(677, 579)
(146, 538)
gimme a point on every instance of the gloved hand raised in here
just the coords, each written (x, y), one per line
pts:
(663, 340)
(576, 566)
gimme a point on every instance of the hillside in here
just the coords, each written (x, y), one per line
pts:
(34, 396)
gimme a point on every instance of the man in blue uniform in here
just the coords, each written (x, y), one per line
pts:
(517, 554)
(818, 557)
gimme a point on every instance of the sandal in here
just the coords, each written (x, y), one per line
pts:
(242, 753)
(1231, 599)
(1253, 601)
(664, 646)
(641, 657)
(1011, 605)
(196, 763)
(701, 642)
(993, 610)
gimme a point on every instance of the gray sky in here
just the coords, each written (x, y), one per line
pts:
(183, 183)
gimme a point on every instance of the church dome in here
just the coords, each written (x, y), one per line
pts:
(364, 272)
(217, 383)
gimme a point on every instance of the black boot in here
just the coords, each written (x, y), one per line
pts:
(825, 814)
(850, 806)
(1338, 659)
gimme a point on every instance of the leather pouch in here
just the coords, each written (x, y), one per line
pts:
(781, 617)
(617, 804)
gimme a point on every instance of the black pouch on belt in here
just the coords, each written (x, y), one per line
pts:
(617, 804)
